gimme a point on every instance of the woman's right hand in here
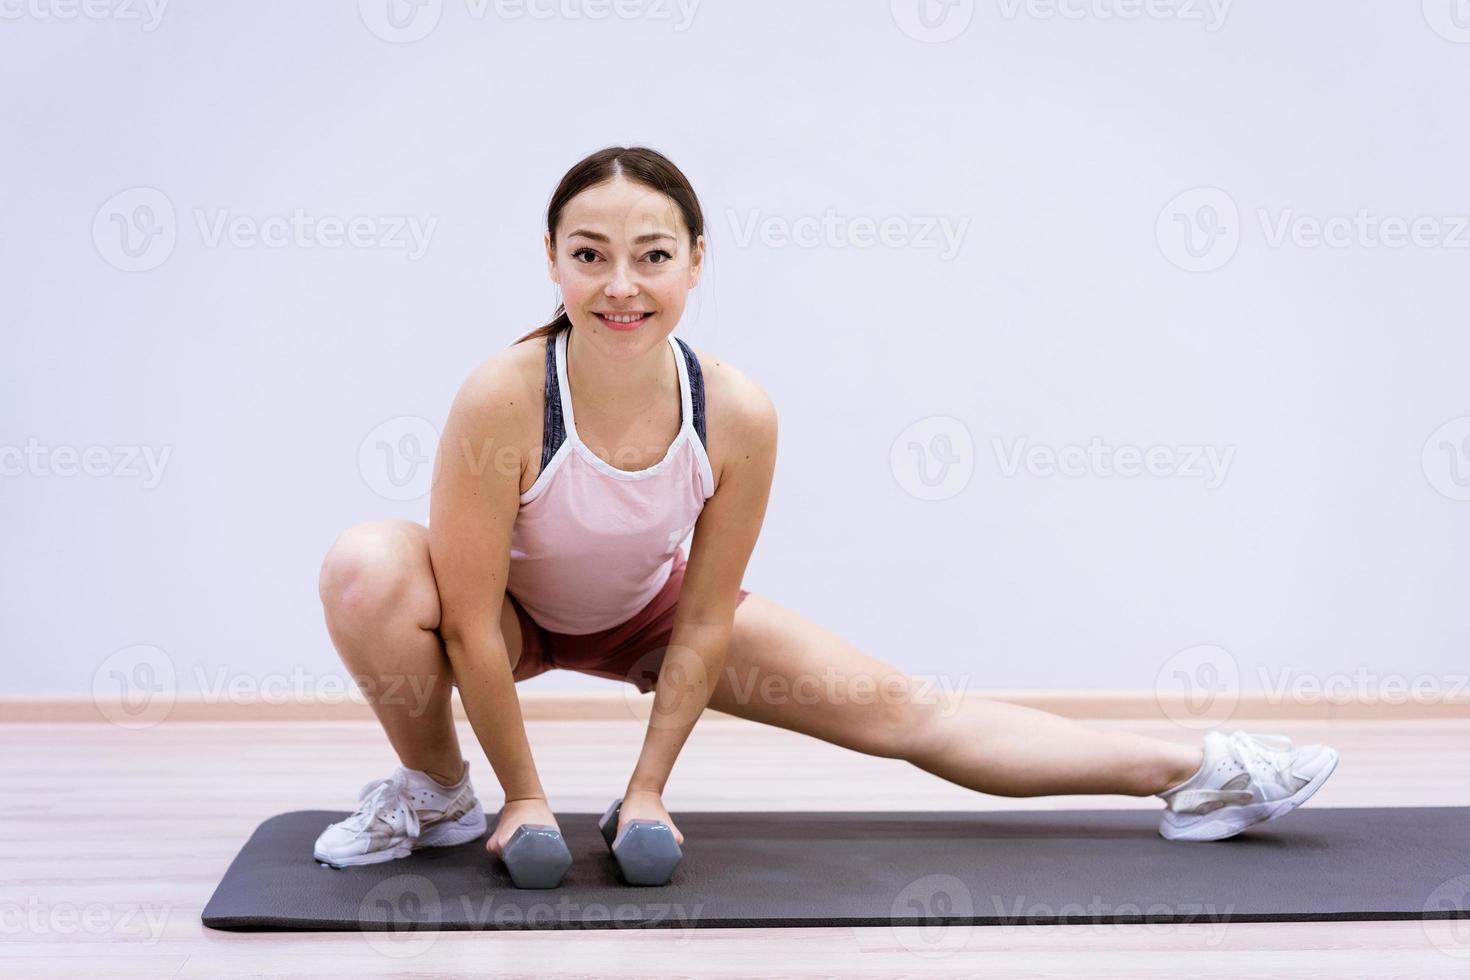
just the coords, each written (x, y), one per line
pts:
(534, 810)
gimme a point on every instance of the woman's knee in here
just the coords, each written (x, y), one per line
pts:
(379, 569)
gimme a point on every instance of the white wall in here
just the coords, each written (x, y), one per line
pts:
(1329, 542)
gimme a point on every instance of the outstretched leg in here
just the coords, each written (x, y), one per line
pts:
(783, 670)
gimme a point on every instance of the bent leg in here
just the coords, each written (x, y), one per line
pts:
(381, 606)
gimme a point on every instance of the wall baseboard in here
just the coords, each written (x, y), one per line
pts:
(616, 705)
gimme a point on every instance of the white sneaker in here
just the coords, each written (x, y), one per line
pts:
(400, 814)
(1245, 780)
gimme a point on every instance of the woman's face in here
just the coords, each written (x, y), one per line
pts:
(623, 261)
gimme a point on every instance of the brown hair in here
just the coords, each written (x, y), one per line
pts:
(636, 163)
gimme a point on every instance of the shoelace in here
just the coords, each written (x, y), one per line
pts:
(380, 799)
(1266, 759)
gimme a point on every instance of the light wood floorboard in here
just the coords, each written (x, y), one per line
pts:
(114, 840)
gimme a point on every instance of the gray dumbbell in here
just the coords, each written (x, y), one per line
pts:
(646, 850)
(536, 856)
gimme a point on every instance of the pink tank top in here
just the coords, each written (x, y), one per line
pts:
(593, 544)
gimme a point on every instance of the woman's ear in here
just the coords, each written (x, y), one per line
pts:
(696, 261)
(550, 257)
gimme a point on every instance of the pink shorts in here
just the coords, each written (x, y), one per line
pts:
(632, 651)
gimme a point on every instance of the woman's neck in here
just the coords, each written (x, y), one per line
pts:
(622, 386)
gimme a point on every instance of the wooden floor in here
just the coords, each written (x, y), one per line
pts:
(112, 841)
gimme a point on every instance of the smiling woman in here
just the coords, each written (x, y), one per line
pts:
(571, 557)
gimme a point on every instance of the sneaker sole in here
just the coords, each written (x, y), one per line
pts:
(1212, 827)
(447, 833)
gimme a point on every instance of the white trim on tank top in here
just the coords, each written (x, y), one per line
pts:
(571, 442)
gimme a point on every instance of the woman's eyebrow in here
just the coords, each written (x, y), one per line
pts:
(652, 236)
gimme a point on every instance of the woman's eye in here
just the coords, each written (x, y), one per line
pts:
(659, 251)
(583, 251)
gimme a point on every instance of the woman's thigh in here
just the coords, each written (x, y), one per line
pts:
(414, 537)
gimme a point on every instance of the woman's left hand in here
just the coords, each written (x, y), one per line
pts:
(645, 804)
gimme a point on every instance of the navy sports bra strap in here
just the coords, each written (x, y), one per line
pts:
(553, 429)
(553, 426)
(696, 390)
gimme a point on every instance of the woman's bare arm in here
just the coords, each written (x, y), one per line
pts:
(473, 506)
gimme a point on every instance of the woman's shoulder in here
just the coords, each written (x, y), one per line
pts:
(739, 415)
(506, 389)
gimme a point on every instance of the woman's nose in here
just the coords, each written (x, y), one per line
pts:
(621, 284)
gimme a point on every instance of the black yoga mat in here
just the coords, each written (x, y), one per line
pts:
(881, 869)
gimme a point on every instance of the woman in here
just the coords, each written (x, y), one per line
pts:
(546, 548)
